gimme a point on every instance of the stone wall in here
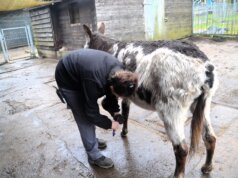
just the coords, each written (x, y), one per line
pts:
(124, 19)
(178, 18)
(72, 35)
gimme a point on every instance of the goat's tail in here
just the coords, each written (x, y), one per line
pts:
(197, 123)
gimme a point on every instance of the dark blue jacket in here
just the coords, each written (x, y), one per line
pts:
(88, 71)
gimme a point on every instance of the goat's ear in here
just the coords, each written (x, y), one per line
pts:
(101, 28)
(87, 30)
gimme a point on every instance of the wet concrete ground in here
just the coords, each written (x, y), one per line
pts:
(39, 138)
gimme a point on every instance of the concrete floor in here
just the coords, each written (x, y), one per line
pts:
(39, 138)
(16, 54)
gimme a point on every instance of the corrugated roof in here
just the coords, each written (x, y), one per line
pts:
(10, 5)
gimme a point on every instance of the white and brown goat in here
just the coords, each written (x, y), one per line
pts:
(175, 77)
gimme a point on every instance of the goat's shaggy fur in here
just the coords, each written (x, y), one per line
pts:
(173, 76)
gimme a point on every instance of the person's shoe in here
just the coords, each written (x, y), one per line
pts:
(102, 162)
(101, 144)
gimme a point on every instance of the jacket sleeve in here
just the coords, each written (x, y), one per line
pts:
(91, 93)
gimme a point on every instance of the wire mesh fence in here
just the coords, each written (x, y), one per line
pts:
(15, 36)
(215, 17)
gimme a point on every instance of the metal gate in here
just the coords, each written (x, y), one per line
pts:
(215, 17)
(16, 43)
(3, 50)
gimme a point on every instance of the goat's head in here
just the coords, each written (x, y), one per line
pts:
(96, 40)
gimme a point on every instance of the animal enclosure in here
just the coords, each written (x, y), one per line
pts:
(215, 18)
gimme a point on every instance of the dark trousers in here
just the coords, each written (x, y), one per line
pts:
(86, 129)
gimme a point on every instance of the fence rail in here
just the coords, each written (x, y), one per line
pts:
(215, 18)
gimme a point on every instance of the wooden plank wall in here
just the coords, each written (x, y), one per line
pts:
(178, 18)
(43, 31)
(124, 19)
(72, 35)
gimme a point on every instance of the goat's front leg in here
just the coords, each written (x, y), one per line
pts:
(181, 152)
(125, 105)
(176, 135)
(174, 118)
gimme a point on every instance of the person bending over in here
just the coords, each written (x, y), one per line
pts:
(83, 76)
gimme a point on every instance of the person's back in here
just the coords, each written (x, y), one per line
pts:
(87, 64)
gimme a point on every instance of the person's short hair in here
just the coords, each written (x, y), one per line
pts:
(124, 83)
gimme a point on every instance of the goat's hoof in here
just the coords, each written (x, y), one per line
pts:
(124, 133)
(206, 169)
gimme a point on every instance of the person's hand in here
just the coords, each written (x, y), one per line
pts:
(115, 125)
(119, 118)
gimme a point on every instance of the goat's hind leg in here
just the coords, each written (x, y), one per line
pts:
(209, 139)
(125, 105)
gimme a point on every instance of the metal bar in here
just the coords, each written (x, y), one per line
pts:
(27, 38)
(4, 49)
(30, 40)
(2, 45)
(14, 28)
(193, 16)
(5, 46)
